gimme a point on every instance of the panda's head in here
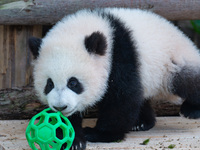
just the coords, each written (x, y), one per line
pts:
(72, 63)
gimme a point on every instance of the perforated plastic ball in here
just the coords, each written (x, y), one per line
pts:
(50, 130)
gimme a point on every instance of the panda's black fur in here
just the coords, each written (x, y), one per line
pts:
(123, 106)
(188, 87)
(121, 101)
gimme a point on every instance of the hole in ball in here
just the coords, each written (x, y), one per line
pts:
(64, 146)
(54, 142)
(59, 133)
(37, 146)
(53, 120)
(50, 146)
(63, 120)
(70, 133)
(50, 111)
(32, 133)
(39, 120)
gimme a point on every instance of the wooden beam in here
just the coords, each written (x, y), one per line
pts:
(29, 12)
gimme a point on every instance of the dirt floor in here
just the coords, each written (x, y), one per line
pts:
(174, 132)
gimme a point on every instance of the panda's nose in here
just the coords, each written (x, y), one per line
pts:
(60, 108)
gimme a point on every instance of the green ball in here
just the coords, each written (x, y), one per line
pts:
(43, 128)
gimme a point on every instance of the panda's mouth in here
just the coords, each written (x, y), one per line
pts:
(69, 113)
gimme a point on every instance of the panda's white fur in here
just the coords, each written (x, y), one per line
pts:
(62, 56)
(166, 65)
(161, 46)
(158, 43)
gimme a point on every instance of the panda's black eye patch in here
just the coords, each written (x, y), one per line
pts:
(49, 86)
(75, 85)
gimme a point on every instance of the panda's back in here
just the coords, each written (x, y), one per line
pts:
(162, 48)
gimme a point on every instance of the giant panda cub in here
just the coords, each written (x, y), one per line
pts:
(117, 58)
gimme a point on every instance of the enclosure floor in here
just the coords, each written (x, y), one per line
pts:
(183, 133)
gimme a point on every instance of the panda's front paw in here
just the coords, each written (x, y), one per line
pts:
(95, 135)
(139, 127)
(90, 134)
(78, 144)
(143, 126)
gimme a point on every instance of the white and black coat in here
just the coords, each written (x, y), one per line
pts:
(119, 59)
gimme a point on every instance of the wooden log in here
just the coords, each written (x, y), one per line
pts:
(15, 56)
(29, 12)
(19, 103)
(22, 103)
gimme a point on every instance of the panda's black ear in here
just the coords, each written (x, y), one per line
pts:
(34, 44)
(96, 43)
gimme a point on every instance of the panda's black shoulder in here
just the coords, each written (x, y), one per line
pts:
(125, 59)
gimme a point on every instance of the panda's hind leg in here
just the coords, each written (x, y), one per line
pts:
(190, 111)
(186, 84)
(146, 118)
